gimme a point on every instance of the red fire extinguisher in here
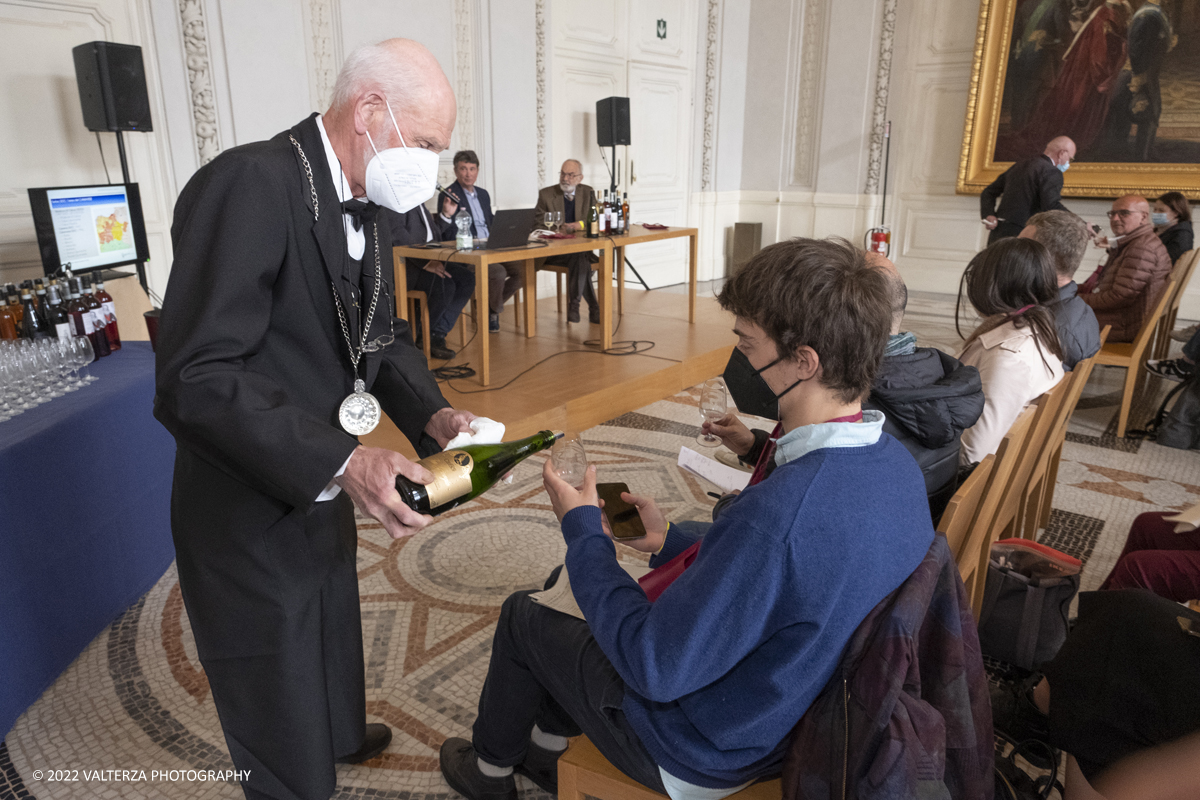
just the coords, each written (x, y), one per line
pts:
(879, 240)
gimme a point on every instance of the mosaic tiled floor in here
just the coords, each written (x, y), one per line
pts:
(137, 699)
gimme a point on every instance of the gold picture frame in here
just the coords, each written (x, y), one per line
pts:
(977, 166)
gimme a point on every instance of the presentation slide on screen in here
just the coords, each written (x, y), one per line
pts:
(92, 226)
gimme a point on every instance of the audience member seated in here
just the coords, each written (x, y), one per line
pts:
(504, 280)
(699, 689)
(572, 198)
(928, 398)
(1012, 286)
(1159, 559)
(448, 286)
(1178, 369)
(1066, 237)
(1124, 290)
(1124, 682)
(1172, 220)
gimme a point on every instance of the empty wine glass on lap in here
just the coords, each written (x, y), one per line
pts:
(714, 405)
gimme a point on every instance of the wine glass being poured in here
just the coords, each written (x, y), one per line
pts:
(570, 459)
(714, 405)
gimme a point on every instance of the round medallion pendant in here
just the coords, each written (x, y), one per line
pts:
(359, 413)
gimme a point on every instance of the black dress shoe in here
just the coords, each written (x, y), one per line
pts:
(379, 736)
(541, 767)
(573, 312)
(594, 315)
(461, 770)
(438, 349)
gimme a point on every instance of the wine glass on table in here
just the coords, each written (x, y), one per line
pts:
(569, 459)
(84, 355)
(548, 219)
(714, 405)
(47, 359)
(557, 221)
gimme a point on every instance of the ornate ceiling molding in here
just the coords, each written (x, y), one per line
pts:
(541, 56)
(711, 47)
(322, 18)
(812, 61)
(883, 80)
(200, 84)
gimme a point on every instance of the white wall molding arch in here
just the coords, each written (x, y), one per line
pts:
(198, 58)
(323, 33)
(883, 80)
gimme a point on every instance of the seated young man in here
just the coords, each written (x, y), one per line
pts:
(696, 692)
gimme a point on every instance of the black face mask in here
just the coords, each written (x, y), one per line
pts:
(749, 390)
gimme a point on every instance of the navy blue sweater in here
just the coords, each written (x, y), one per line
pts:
(724, 664)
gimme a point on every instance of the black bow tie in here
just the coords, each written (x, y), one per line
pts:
(360, 212)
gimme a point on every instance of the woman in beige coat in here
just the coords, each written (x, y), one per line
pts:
(1016, 350)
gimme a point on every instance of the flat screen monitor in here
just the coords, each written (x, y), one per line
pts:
(90, 227)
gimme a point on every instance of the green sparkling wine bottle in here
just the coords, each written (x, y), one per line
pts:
(464, 473)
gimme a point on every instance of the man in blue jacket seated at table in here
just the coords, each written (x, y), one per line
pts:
(694, 693)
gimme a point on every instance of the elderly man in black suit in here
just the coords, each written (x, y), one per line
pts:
(572, 198)
(275, 329)
(1026, 188)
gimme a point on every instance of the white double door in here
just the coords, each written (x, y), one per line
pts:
(644, 50)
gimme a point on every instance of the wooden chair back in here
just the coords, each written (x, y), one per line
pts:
(1181, 274)
(960, 515)
(416, 297)
(1035, 511)
(977, 543)
(1132, 355)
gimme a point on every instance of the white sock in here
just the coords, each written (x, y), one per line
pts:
(491, 770)
(548, 741)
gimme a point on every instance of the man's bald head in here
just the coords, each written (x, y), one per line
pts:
(396, 74)
(896, 285)
(1061, 149)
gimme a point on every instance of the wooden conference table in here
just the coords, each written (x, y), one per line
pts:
(612, 248)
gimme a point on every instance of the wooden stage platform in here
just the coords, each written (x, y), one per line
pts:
(582, 387)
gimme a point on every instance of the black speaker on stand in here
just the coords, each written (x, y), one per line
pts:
(112, 93)
(612, 129)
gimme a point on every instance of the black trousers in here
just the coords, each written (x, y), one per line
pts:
(579, 278)
(288, 715)
(548, 670)
(447, 296)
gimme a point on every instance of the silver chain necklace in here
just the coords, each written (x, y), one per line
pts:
(360, 412)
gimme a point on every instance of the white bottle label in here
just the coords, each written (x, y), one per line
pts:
(110, 311)
(604, 222)
(85, 321)
(97, 319)
(63, 330)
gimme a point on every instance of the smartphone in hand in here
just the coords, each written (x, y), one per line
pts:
(623, 518)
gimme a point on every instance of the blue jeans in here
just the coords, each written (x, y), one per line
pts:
(447, 296)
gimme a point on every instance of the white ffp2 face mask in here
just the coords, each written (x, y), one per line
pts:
(401, 178)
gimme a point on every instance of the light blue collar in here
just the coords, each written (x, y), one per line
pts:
(807, 438)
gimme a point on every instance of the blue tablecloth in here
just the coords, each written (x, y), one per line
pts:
(85, 528)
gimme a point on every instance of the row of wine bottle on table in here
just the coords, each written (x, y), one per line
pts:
(608, 217)
(66, 307)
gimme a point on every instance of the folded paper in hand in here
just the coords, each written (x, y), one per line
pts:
(725, 478)
(561, 598)
(484, 431)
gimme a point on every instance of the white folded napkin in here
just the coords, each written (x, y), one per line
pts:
(484, 431)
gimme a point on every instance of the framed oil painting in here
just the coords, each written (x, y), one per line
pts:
(1120, 77)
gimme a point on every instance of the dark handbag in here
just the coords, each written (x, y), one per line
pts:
(1014, 783)
(1025, 603)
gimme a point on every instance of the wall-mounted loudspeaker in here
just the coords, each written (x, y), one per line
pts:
(112, 87)
(612, 121)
